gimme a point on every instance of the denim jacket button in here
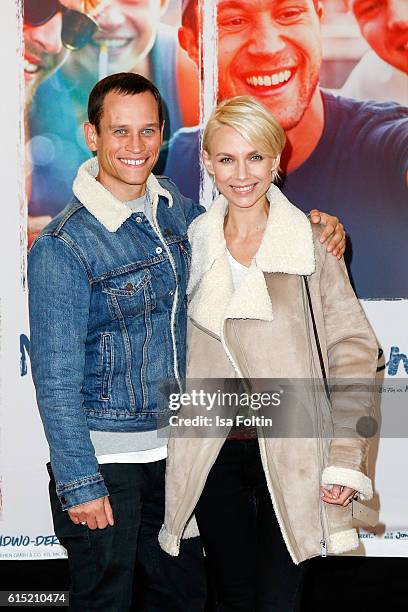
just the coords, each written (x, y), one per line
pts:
(138, 219)
(167, 231)
(159, 250)
(129, 287)
(171, 292)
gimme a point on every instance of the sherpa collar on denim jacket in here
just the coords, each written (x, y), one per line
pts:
(103, 205)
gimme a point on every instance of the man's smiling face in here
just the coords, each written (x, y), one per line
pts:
(127, 142)
(384, 24)
(43, 52)
(270, 49)
(128, 28)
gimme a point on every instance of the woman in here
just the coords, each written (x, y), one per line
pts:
(267, 302)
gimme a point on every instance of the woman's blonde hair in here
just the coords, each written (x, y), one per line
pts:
(252, 121)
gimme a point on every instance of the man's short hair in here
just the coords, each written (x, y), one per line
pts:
(125, 83)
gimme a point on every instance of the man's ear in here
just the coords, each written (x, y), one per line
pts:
(91, 136)
(188, 40)
(208, 163)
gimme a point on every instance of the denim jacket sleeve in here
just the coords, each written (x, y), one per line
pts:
(59, 298)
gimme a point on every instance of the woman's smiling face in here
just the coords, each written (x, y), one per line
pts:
(241, 173)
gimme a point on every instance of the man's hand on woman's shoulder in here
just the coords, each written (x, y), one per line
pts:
(333, 233)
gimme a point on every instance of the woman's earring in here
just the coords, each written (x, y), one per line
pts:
(275, 171)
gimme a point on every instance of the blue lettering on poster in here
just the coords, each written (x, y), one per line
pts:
(25, 540)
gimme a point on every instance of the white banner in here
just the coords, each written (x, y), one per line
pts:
(389, 460)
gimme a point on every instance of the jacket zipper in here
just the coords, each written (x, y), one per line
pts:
(228, 352)
(323, 516)
(261, 442)
(223, 342)
(205, 330)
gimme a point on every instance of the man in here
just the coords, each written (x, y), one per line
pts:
(341, 156)
(384, 25)
(50, 30)
(382, 74)
(130, 38)
(107, 281)
(45, 44)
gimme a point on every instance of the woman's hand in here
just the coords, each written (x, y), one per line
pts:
(339, 495)
(333, 232)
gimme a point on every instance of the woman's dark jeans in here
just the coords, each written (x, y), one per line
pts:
(249, 563)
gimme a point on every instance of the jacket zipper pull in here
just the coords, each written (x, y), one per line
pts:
(323, 549)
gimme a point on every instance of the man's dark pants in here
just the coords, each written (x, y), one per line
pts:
(102, 561)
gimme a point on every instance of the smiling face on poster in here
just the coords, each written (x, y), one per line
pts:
(270, 50)
(127, 31)
(267, 49)
(52, 28)
(384, 25)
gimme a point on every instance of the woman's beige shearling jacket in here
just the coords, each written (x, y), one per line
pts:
(263, 330)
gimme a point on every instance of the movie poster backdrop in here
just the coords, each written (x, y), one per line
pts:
(334, 73)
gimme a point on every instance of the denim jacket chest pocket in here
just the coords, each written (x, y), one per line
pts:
(129, 294)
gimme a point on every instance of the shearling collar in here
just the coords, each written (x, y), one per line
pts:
(104, 206)
(286, 247)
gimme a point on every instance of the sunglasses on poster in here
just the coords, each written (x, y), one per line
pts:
(77, 28)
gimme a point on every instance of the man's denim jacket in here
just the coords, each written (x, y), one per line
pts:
(108, 321)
